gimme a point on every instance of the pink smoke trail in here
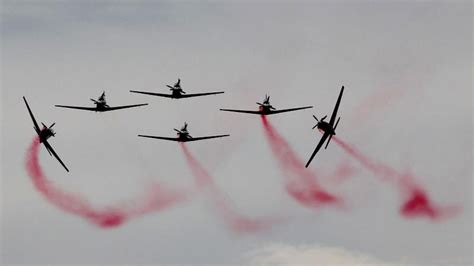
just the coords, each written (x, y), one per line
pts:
(156, 199)
(341, 173)
(379, 100)
(235, 221)
(417, 202)
(305, 189)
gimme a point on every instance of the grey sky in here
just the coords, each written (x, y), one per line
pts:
(419, 54)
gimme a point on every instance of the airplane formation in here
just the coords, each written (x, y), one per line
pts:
(265, 108)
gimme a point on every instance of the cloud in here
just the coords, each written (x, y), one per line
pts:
(284, 254)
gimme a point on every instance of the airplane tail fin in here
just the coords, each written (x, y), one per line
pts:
(337, 122)
(49, 151)
(330, 136)
(267, 99)
(177, 84)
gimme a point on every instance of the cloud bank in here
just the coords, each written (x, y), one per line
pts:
(284, 254)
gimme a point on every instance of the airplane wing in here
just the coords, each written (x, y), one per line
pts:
(50, 149)
(124, 107)
(321, 142)
(154, 94)
(200, 94)
(334, 112)
(207, 137)
(78, 107)
(32, 117)
(287, 110)
(242, 111)
(157, 137)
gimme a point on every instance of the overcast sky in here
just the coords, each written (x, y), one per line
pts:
(407, 68)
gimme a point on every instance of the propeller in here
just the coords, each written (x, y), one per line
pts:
(184, 128)
(101, 100)
(49, 128)
(319, 121)
(316, 123)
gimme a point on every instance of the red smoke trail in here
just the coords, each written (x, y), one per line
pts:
(417, 201)
(236, 222)
(157, 199)
(305, 188)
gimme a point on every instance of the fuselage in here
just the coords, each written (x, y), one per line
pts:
(101, 105)
(176, 92)
(45, 134)
(265, 108)
(326, 127)
(183, 135)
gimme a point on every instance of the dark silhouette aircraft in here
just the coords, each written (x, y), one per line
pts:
(177, 92)
(266, 108)
(44, 134)
(329, 128)
(101, 105)
(183, 135)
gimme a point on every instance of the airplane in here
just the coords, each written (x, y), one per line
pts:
(44, 134)
(101, 105)
(329, 128)
(266, 108)
(183, 135)
(177, 92)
